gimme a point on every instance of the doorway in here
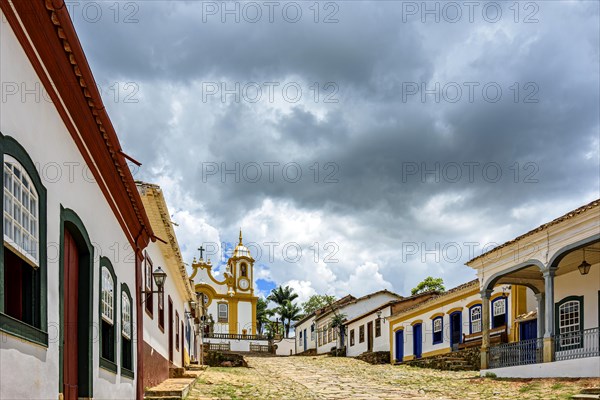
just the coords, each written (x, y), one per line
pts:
(455, 329)
(370, 336)
(399, 345)
(170, 330)
(418, 340)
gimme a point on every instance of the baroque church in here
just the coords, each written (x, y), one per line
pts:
(229, 304)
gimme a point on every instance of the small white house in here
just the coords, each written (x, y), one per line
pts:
(306, 336)
(350, 307)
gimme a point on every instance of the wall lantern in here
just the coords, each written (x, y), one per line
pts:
(378, 314)
(159, 277)
(584, 267)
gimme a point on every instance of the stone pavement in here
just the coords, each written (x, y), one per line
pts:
(304, 378)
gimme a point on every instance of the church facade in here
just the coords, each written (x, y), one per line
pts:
(229, 301)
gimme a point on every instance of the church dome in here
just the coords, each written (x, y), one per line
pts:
(241, 250)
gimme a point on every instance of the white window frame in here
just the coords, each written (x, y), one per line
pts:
(437, 325)
(500, 307)
(569, 327)
(107, 297)
(125, 316)
(476, 322)
(223, 308)
(21, 206)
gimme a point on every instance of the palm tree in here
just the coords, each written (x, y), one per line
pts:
(289, 312)
(262, 315)
(281, 294)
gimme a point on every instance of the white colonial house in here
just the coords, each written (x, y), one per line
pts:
(305, 333)
(450, 321)
(559, 262)
(375, 323)
(74, 226)
(349, 307)
(168, 322)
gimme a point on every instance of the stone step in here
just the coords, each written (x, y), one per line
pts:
(586, 397)
(594, 390)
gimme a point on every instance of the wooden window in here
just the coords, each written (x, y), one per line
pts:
(361, 334)
(223, 312)
(438, 328)
(177, 330)
(126, 333)
(23, 277)
(569, 321)
(377, 327)
(475, 318)
(149, 286)
(108, 307)
(499, 312)
(351, 337)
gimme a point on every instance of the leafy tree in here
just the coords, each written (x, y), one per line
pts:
(281, 294)
(316, 302)
(262, 315)
(429, 284)
(289, 312)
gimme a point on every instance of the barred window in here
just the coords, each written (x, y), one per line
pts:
(499, 307)
(438, 325)
(351, 337)
(569, 321)
(476, 319)
(377, 327)
(107, 296)
(361, 334)
(125, 316)
(21, 231)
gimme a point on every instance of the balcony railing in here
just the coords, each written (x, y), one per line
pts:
(235, 336)
(518, 353)
(580, 344)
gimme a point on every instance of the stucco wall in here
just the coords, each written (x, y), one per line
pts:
(381, 343)
(311, 339)
(575, 284)
(32, 370)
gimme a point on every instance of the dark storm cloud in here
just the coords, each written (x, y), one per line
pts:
(377, 133)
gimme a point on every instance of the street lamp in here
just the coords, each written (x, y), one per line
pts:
(159, 276)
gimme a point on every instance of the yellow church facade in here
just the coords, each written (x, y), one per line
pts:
(229, 301)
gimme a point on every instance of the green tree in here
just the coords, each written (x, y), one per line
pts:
(316, 302)
(429, 284)
(262, 315)
(289, 312)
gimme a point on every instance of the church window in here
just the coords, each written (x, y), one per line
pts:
(377, 327)
(351, 337)
(244, 270)
(499, 312)
(223, 312)
(361, 334)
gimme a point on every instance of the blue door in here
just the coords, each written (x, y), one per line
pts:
(417, 340)
(304, 339)
(455, 329)
(399, 345)
(528, 330)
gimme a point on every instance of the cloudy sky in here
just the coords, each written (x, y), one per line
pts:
(359, 145)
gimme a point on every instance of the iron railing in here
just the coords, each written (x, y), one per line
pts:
(581, 344)
(260, 348)
(235, 336)
(525, 352)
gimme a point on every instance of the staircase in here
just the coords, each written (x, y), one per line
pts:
(178, 386)
(462, 360)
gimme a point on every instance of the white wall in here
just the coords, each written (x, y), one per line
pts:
(174, 287)
(285, 347)
(33, 370)
(380, 343)
(575, 284)
(311, 339)
(351, 310)
(245, 317)
(579, 368)
(427, 324)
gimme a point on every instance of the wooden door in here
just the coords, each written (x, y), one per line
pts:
(181, 347)
(71, 300)
(170, 329)
(370, 336)
(417, 340)
(455, 329)
(399, 345)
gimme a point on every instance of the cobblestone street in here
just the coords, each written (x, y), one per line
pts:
(345, 378)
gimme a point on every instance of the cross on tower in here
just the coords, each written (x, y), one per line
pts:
(201, 251)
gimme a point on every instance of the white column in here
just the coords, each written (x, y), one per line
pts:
(485, 327)
(541, 308)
